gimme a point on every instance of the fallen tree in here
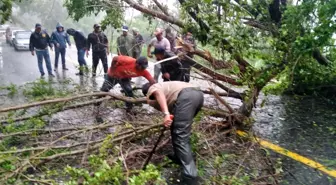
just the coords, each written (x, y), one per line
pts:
(239, 32)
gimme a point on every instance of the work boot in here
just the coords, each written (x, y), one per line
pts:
(65, 69)
(80, 74)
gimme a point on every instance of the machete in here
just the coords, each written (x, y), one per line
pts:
(167, 59)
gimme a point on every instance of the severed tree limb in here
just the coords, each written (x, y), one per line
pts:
(216, 63)
(223, 101)
(210, 72)
(39, 160)
(46, 131)
(124, 135)
(146, 149)
(231, 93)
(96, 146)
(154, 13)
(163, 9)
(57, 110)
(57, 100)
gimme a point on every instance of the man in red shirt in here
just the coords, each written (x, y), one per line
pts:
(122, 69)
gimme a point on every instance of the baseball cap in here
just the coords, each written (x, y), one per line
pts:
(124, 28)
(143, 61)
(38, 25)
(71, 31)
(158, 50)
(96, 25)
(158, 31)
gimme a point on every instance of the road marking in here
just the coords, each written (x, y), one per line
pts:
(290, 154)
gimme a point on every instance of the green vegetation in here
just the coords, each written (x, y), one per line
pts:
(42, 89)
(104, 173)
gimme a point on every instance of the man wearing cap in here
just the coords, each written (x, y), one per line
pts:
(158, 40)
(100, 48)
(183, 101)
(80, 41)
(122, 69)
(125, 43)
(39, 41)
(138, 43)
(171, 69)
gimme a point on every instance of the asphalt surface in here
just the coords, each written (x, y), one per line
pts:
(20, 67)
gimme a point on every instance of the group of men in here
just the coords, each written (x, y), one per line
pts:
(40, 40)
(174, 96)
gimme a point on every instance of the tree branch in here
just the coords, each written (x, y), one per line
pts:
(154, 13)
(57, 100)
(56, 110)
(163, 9)
(231, 93)
(210, 72)
(317, 55)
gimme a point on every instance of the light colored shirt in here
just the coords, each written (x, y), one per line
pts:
(163, 43)
(171, 91)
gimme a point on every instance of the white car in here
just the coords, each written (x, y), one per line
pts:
(21, 40)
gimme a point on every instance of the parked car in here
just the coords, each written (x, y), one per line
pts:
(9, 34)
(21, 40)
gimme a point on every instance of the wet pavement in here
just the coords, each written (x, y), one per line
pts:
(305, 126)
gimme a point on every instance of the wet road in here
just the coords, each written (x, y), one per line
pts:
(303, 126)
(20, 67)
(306, 126)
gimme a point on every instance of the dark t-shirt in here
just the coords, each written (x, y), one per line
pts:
(98, 41)
(173, 67)
(39, 40)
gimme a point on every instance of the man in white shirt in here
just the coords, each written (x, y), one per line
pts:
(158, 40)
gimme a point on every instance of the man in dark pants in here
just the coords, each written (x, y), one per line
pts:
(39, 41)
(80, 41)
(190, 40)
(139, 41)
(100, 49)
(60, 38)
(122, 69)
(172, 69)
(183, 101)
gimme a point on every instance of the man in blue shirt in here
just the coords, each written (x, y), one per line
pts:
(60, 38)
(81, 43)
(39, 41)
